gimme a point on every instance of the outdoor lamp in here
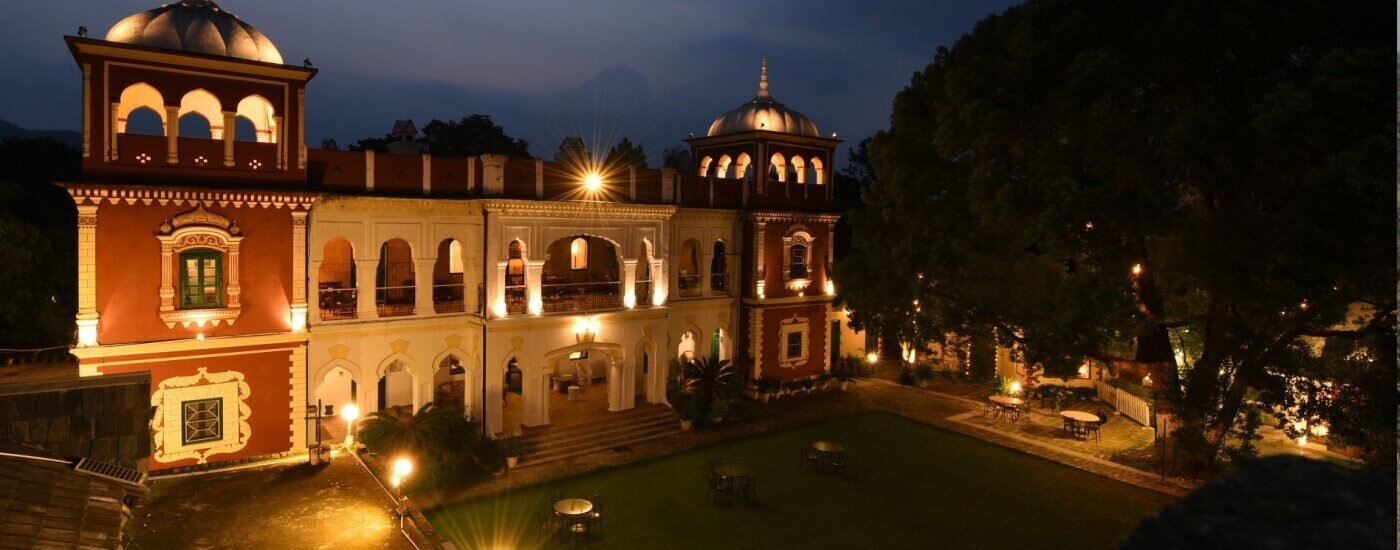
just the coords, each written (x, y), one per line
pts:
(592, 182)
(349, 412)
(402, 467)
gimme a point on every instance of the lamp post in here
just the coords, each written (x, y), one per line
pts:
(349, 412)
(401, 468)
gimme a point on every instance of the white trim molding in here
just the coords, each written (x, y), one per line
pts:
(788, 326)
(167, 422)
(199, 228)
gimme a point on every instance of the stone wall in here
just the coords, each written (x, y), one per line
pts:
(104, 418)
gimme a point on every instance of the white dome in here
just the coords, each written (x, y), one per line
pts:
(763, 113)
(197, 26)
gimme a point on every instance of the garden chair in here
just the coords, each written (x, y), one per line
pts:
(838, 462)
(550, 524)
(809, 458)
(1092, 428)
(719, 486)
(595, 517)
(748, 488)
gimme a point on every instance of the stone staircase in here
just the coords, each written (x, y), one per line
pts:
(598, 433)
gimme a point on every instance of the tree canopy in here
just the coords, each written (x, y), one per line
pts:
(470, 136)
(38, 243)
(624, 154)
(1124, 180)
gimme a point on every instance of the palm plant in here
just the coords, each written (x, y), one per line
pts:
(392, 430)
(712, 379)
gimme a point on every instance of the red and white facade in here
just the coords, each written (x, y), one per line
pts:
(255, 279)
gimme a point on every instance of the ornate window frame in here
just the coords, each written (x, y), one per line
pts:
(794, 325)
(168, 422)
(199, 228)
(797, 235)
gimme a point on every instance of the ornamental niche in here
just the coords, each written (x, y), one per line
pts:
(204, 230)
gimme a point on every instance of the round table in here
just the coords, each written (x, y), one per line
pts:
(1004, 400)
(731, 470)
(1080, 416)
(573, 507)
(827, 447)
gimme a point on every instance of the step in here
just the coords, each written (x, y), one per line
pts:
(614, 433)
(597, 447)
(548, 434)
(604, 416)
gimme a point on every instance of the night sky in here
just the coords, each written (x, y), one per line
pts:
(649, 70)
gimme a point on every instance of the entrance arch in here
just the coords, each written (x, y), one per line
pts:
(621, 386)
(398, 384)
(649, 372)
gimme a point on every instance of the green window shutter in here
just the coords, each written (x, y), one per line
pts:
(202, 274)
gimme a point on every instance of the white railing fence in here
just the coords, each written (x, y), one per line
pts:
(1125, 403)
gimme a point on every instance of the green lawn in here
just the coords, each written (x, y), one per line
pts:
(910, 486)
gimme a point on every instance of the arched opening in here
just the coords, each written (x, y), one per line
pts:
(705, 166)
(741, 165)
(144, 121)
(515, 378)
(263, 118)
(515, 277)
(207, 106)
(244, 130)
(688, 276)
(723, 170)
(643, 276)
(719, 347)
(449, 272)
(639, 376)
(581, 273)
(719, 269)
(394, 279)
(818, 176)
(337, 295)
(195, 126)
(143, 97)
(450, 383)
(396, 388)
(799, 169)
(336, 389)
(685, 351)
(777, 167)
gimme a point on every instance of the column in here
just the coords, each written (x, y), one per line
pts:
(299, 307)
(615, 382)
(364, 284)
(423, 286)
(629, 283)
(298, 397)
(87, 109)
(313, 309)
(534, 269)
(301, 128)
(281, 143)
(172, 134)
(659, 290)
(758, 269)
(497, 291)
(230, 118)
(115, 127)
(87, 275)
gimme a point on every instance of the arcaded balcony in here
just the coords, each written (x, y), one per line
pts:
(449, 286)
(395, 289)
(582, 273)
(337, 297)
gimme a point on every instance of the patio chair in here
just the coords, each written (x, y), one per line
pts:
(549, 523)
(595, 517)
(719, 486)
(1093, 428)
(748, 488)
(810, 458)
(838, 462)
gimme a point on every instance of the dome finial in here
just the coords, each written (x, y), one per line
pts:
(763, 79)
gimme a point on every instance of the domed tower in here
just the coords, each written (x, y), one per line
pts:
(189, 90)
(771, 145)
(775, 156)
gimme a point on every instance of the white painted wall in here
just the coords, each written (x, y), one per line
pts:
(335, 389)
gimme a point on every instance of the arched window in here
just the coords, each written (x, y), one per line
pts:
(797, 252)
(194, 125)
(338, 297)
(449, 292)
(719, 274)
(723, 170)
(741, 165)
(777, 167)
(705, 166)
(689, 275)
(260, 113)
(799, 168)
(515, 264)
(396, 279)
(578, 253)
(244, 130)
(819, 177)
(201, 279)
(144, 121)
(140, 96)
(207, 107)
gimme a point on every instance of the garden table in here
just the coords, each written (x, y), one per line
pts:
(731, 471)
(575, 510)
(1077, 419)
(1007, 405)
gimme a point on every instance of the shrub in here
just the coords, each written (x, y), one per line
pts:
(1135, 389)
(906, 377)
(922, 373)
(514, 446)
(768, 384)
(686, 405)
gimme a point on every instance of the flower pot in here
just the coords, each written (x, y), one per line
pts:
(511, 461)
(844, 384)
(923, 383)
(685, 425)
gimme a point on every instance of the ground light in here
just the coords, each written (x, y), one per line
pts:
(402, 467)
(592, 183)
(872, 358)
(349, 412)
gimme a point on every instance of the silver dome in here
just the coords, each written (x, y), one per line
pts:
(763, 113)
(197, 26)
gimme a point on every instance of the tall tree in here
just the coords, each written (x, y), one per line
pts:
(1084, 177)
(38, 243)
(471, 136)
(625, 153)
(676, 158)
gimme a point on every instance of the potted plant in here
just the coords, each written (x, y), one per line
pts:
(687, 408)
(788, 387)
(513, 448)
(823, 381)
(718, 410)
(922, 374)
(767, 386)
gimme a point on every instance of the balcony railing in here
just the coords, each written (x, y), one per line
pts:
(515, 299)
(338, 303)
(449, 298)
(643, 290)
(690, 285)
(719, 283)
(581, 296)
(394, 301)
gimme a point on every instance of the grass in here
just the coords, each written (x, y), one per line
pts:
(910, 486)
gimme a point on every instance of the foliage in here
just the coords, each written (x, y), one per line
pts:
(470, 136)
(676, 158)
(686, 405)
(396, 430)
(922, 373)
(1001, 385)
(1246, 433)
(514, 446)
(906, 377)
(1230, 150)
(711, 381)
(1138, 390)
(38, 243)
(768, 384)
(624, 154)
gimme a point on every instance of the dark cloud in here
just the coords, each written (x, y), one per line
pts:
(649, 70)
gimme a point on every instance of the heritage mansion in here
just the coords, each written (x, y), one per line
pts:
(259, 282)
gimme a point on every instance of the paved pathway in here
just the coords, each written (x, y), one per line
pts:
(277, 506)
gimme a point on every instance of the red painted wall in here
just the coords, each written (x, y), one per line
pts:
(129, 269)
(773, 343)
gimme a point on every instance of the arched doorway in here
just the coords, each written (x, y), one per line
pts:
(396, 387)
(641, 373)
(450, 383)
(686, 350)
